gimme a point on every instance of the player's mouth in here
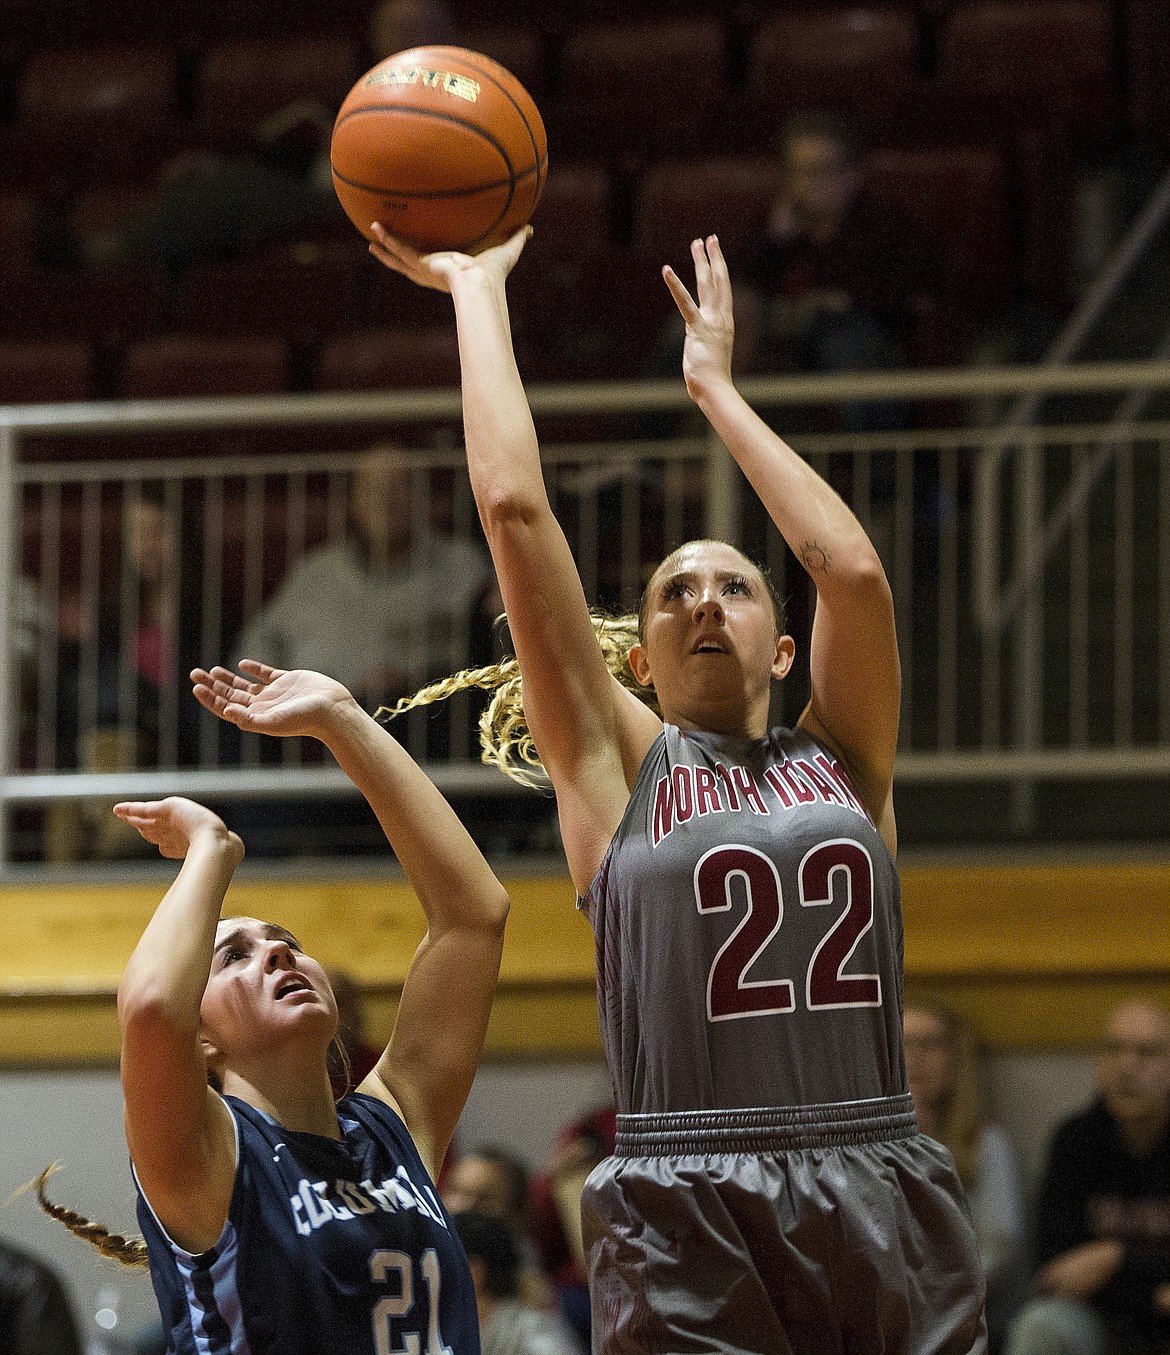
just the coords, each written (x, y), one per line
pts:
(706, 645)
(293, 984)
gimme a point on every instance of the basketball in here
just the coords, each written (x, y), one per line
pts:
(443, 146)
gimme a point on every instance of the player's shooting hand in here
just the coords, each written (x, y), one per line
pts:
(439, 269)
(710, 321)
(173, 825)
(271, 700)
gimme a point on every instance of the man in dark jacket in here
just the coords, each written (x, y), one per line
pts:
(35, 1316)
(1103, 1224)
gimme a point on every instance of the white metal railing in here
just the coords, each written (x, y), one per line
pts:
(1102, 602)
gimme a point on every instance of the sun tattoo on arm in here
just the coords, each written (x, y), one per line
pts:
(814, 557)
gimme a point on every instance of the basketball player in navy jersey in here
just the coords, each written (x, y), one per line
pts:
(770, 1191)
(275, 1220)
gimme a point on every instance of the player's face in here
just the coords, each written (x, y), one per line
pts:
(263, 985)
(1133, 1068)
(475, 1183)
(710, 632)
(928, 1057)
(821, 182)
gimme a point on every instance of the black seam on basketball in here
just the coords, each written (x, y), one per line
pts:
(447, 193)
(428, 113)
(523, 117)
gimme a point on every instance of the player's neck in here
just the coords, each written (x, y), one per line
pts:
(296, 1100)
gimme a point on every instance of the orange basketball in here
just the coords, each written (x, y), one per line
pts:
(441, 145)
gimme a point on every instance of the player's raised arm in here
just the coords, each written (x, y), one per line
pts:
(427, 1068)
(856, 677)
(591, 734)
(178, 1131)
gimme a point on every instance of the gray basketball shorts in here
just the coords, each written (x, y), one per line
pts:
(818, 1230)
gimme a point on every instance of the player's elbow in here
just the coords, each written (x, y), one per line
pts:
(512, 509)
(148, 1012)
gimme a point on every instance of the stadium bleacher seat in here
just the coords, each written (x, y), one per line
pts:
(198, 364)
(107, 82)
(298, 301)
(244, 79)
(43, 371)
(388, 358)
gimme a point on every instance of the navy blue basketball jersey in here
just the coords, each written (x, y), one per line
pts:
(330, 1246)
(749, 932)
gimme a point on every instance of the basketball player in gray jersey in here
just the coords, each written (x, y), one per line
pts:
(770, 1192)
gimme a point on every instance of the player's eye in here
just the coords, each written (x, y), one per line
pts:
(739, 585)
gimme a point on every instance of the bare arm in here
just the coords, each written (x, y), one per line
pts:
(427, 1068)
(591, 734)
(856, 676)
(178, 1131)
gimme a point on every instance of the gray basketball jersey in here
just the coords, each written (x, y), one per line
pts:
(749, 932)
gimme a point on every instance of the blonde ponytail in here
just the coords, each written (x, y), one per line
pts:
(503, 729)
(129, 1251)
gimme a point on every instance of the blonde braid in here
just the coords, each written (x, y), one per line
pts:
(130, 1251)
(503, 729)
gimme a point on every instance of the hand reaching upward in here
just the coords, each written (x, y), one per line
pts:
(710, 323)
(173, 824)
(271, 700)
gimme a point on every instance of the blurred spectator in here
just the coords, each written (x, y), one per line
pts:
(1103, 1223)
(122, 697)
(35, 1313)
(387, 608)
(493, 1181)
(210, 207)
(556, 1210)
(840, 274)
(30, 624)
(940, 1064)
(506, 1325)
(837, 280)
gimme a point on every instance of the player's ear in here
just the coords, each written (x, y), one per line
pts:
(785, 653)
(640, 665)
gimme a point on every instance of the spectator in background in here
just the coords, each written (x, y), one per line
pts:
(35, 1314)
(555, 1200)
(1103, 1222)
(122, 694)
(210, 207)
(507, 1326)
(493, 1181)
(940, 1065)
(839, 276)
(836, 281)
(389, 606)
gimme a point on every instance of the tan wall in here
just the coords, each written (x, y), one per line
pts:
(1033, 953)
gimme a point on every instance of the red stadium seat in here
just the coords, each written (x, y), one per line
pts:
(18, 212)
(242, 80)
(104, 82)
(106, 209)
(520, 49)
(806, 57)
(574, 215)
(109, 306)
(389, 359)
(299, 301)
(191, 364)
(959, 195)
(42, 371)
(1033, 59)
(681, 200)
(648, 62)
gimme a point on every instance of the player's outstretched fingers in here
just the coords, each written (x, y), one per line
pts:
(682, 298)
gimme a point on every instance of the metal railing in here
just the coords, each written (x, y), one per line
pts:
(1097, 668)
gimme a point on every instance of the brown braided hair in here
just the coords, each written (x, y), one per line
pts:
(129, 1251)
